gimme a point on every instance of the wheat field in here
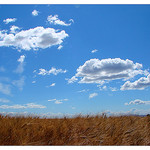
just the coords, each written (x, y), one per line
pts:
(78, 130)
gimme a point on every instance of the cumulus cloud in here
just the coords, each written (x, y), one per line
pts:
(5, 88)
(35, 13)
(20, 67)
(14, 29)
(8, 20)
(98, 71)
(53, 71)
(3, 100)
(94, 51)
(35, 38)
(19, 83)
(139, 84)
(21, 59)
(56, 21)
(29, 105)
(92, 95)
(138, 102)
(57, 101)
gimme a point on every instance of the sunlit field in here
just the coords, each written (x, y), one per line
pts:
(78, 130)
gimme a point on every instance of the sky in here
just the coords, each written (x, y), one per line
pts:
(74, 59)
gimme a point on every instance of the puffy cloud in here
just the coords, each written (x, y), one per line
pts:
(8, 20)
(5, 89)
(21, 59)
(92, 95)
(29, 105)
(19, 83)
(58, 101)
(56, 21)
(35, 38)
(20, 67)
(35, 13)
(51, 71)
(139, 84)
(97, 71)
(138, 102)
(3, 100)
(94, 51)
(14, 29)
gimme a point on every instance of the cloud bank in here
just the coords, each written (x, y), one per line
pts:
(29, 105)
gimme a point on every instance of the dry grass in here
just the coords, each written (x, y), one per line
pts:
(87, 130)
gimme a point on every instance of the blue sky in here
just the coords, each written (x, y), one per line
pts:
(71, 59)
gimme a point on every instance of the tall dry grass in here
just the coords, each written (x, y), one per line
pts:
(79, 130)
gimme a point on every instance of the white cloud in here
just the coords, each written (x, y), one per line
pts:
(5, 89)
(8, 20)
(21, 59)
(98, 71)
(84, 90)
(3, 100)
(103, 88)
(51, 71)
(132, 111)
(138, 102)
(33, 82)
(94, 51)
(60, 47)
(53, 84)
(34, 38)
(20, 67)
(56, 21)
(35, 13)
(19, 83)
(72, 80)
(139, 84)
(26, 106)
(92, 95)
(14, 29)
(58, 101)
(113, 89)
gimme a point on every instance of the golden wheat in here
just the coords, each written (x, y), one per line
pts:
(79, 130)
